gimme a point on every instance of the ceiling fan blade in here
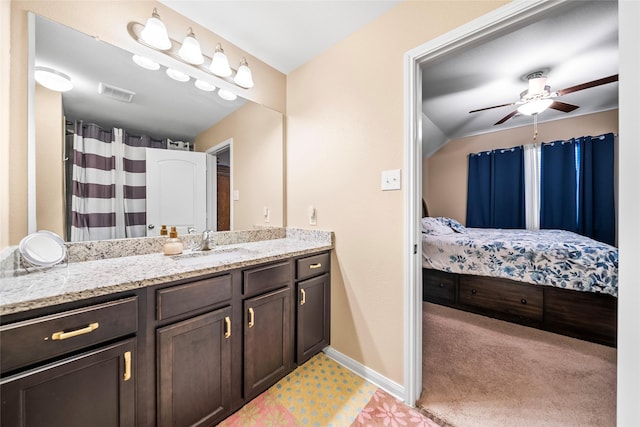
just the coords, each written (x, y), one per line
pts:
(495, 106)
(563, 106)
(588, 85)
(507, 117)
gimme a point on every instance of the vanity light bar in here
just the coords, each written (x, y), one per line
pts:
(218, 65)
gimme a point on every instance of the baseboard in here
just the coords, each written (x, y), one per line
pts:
(391, 387)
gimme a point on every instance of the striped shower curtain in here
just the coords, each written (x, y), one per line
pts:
(108, 188)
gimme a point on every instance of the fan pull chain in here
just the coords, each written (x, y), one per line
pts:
(535, 127)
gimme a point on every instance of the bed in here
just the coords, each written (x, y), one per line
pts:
(549, 279)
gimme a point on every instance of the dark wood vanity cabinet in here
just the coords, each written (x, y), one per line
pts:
(313, 288)
(193, 340)
(72, 368)
(268, 339)
(194, 370)
(184, 353)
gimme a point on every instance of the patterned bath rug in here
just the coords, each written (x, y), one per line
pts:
(322, 393)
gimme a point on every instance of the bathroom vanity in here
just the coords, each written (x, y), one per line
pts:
(152, 340)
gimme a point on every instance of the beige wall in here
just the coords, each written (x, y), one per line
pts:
(5, 208)
(258, 162)
(345, 125)
(445, 172)
(108, 21)
(50, 213)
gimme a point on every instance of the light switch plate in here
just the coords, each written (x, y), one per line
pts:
(390, 180)
(236, 195)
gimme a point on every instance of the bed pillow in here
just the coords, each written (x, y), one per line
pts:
(435, 227)
(455, 225)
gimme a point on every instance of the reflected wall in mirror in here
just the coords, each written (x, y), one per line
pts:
(163, 109)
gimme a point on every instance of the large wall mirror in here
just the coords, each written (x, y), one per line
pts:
(247, 138)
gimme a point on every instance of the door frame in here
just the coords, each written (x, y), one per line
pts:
(505, 18)
(211, 181)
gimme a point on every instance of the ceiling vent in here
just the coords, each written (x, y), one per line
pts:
(115, 92)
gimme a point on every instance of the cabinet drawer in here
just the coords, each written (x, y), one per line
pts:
(36, 340)
(438, 286)
(312, 266)
(266, 278)
(492, 294)
(182, 299)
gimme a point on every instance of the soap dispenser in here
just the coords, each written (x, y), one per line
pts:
(173, 245)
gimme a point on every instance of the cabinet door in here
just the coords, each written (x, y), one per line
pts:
(194, 370)
(268, 348)
(313, 327)
(92, 389)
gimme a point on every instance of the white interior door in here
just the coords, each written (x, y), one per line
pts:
(176, 190)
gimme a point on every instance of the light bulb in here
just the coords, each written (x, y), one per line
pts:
(146, 63)
(177, 75)
(536, 106)
(227, 95)
(155, 34)
(204, 85)
(190, 50)
(243, 76)
(220, 63)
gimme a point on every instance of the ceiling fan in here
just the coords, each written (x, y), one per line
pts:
(539, 96)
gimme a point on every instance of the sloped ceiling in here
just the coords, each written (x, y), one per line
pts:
(576, 45)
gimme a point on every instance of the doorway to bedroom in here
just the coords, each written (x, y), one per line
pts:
(504, 20)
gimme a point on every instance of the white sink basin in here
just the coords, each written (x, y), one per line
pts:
(212, 257)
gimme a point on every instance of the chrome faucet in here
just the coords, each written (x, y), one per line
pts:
(207, 240)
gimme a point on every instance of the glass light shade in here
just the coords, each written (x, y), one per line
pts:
(190, 50)
(204, 85)
(227, 95)
(220, 63)
(53, 79)
(537, 85)
(146, 63)
(155, 33)
(243, 76)
(535, 107)
(177, 75)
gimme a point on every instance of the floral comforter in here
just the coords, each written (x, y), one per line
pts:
(545, 257)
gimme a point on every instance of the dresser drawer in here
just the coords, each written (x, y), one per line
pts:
(262, 279)
(312, 266)
(490, 294)
(35, 340)
(438, 286)
(182, 299)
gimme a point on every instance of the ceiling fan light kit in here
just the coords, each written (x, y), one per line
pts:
(538, 97)
(154, 35)
(535, 106)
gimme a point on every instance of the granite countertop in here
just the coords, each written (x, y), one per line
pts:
(80, 280)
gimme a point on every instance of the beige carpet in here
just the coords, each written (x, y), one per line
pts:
(479, 371)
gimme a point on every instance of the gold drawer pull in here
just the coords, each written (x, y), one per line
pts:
(127, 366)
(251, 318)
(313, 266)
(64, 335)
(303, 299)
(227, 329)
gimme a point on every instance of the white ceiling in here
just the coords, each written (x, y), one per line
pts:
(283, 34)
